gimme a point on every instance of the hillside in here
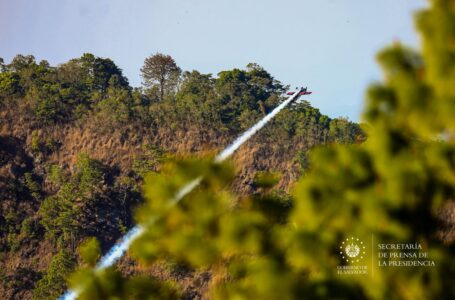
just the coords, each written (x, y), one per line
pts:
(76, 141)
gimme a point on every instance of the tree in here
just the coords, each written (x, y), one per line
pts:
(149, 161)
(59, 215)
(21, 62)
(10, 84)
(89, 174)
(62, 215)
(98, 71)
(52, 284)
(344, 131)
(114, 109)
(73, 78)
(242, 94)
(86, 80)
(196, 100)
(49, 109)
(264, 85)
(160, 70)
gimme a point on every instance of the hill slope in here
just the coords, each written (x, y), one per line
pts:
(76, 141)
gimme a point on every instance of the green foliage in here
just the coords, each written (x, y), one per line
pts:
(196, 100)
(86, 203)
(35, 143)
(11, 219)
(148, 161)
(266, 179)
(53, 283)
(102, 72)
(90, 251)
(108, 284)
(204, 230)
(208, 207)
(303, 160)
(89, 200)
(60, 213)
(48, 109)
(114, 109)
(57, 94)
(29, 227)
(89, 174)
(33, 187)
(122, 228)
(56, 175)
(9, 84)
(22, 63)
(40, 145)
(13, 241)
(392, 187)
(93, 89)
(344, 131)
(242, 91)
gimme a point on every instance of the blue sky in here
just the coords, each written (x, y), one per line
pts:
(328, 45)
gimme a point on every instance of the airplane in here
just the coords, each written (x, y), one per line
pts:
(302, 91)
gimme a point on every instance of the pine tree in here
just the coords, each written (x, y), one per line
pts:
(52, 284)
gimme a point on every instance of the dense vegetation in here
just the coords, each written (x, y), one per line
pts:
(77, 141)
(393, 186)
(240, 234)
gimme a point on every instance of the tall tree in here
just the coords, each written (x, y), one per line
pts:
(21, 62)
(51, 285)
(160, 71)
(100, 71)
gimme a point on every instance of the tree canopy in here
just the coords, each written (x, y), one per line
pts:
(162, 72)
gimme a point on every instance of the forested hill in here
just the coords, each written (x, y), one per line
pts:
(76, 140)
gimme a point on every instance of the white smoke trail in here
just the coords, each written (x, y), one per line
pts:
(250, 132)
(117, 251)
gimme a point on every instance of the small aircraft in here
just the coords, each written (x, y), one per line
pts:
(302, 91)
